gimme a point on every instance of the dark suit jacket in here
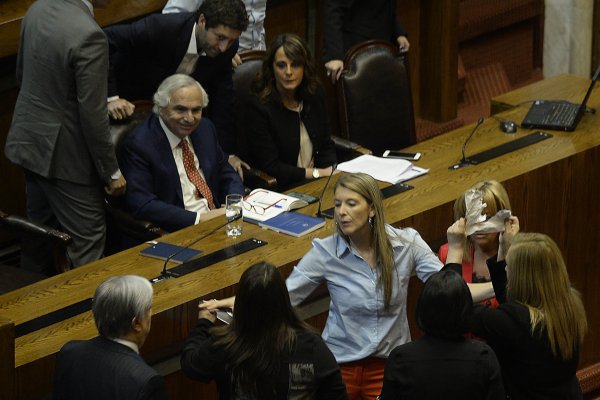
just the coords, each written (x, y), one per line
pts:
(145, 52)
(273, 134)
(349, 22)
(60, 124)
(100, 369)
(154, 191)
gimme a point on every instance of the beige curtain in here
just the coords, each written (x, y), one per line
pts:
(568, 37)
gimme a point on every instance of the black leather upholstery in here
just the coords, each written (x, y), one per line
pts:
(124, 230)
(243, 76)
(374, 96)
(29, 231)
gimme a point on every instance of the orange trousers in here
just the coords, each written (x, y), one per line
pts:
(363, 378)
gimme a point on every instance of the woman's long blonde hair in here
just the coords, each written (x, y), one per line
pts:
(538, 279)
(366, 186)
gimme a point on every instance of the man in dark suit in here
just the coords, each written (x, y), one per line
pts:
(59, 132)
(109, 366)
(176, 169)
(349, 22)
(199, 44)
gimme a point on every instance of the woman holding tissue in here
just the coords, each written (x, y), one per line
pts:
(480, 246)
(540, 323)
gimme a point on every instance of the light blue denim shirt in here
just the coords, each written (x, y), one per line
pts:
(358, 326)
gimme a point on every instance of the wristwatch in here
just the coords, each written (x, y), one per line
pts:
(315, 173)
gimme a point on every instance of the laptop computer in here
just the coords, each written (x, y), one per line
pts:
(559, 115)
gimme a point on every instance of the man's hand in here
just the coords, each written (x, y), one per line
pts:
(238, 165)
(116, 187)
(403, 43)
(334, 69)
(236, 61)
(217, 212)
(120, 109)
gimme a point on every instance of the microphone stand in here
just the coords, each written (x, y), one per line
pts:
(319, 213)
(166, 274)
(465, 161)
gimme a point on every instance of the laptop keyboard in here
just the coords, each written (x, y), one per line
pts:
(561, 114)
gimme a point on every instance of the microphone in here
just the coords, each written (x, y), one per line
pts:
(319, 213)
(465, 161)
(166, 274)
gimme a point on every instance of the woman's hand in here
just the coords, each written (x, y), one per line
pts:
(511, 228)
(456, 233)
(214, 304)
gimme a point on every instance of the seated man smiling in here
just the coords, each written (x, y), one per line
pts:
(180, 173)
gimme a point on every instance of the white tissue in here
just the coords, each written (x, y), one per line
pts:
(476, 218)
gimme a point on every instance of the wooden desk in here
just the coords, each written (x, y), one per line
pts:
(553, 187)
(560, 87)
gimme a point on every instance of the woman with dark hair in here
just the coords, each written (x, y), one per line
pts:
(540, 323)
(267, 352)
(442, 363)
(366, 265)
(287, 123)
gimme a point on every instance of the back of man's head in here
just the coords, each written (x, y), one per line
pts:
(230, 13)
(117, 301)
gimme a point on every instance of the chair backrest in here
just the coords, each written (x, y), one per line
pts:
(243, 76)
(30, 231)
(375, 99)
(119, 130)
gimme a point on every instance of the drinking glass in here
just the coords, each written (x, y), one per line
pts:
(233, 209)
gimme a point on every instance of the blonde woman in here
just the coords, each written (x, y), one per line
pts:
(538, 328)
(366, 265)
(480, 246)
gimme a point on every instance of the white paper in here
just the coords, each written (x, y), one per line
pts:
(392, 170)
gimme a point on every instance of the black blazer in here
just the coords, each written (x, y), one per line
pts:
(143, 53)
(349, 22)
(273, 135)
(100, 369)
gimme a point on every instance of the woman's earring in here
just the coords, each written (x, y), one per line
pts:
(371, 221)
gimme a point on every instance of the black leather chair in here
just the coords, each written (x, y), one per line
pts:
(11, 275)
(123, 229)
(374, 98)
(243, 76)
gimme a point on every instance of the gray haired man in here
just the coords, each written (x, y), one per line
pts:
(109, 366)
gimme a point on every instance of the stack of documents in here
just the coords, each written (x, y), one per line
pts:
(392, 170)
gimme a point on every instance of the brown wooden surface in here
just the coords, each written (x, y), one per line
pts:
(552, 186)
(13, 11)
(7, 360)
(560, 87)
(439, 60)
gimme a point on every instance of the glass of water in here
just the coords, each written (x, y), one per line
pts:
(233, 210)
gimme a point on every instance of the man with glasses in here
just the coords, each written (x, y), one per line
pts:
(199, 44)
(177, 171)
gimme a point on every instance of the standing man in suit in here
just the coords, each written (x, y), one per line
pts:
(176, 169)
(199, 44)
(349, 22)
(59, 132)
(109, 366)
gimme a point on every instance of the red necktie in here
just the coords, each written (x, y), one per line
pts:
(194, 176)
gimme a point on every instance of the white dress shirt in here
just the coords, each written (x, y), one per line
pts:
(190, 202)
